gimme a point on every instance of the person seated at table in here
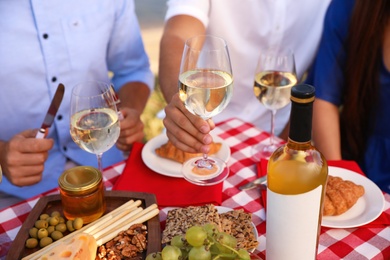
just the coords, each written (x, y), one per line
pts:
(352, 81)
(46, 43)
(248, 27)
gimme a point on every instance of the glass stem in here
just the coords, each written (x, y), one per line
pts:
(272, 136)
(99, 160)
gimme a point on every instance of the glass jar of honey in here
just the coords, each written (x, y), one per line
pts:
(82, 193)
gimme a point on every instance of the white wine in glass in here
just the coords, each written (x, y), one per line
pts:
(94, 123)
(274, 77)
(205, 87)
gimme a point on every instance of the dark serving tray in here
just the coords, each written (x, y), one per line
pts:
(114, 199)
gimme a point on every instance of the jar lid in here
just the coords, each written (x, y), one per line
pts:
(80, 180)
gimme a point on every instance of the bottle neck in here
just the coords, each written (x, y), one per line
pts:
(301, 122)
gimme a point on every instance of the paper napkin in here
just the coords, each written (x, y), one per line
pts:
(169, 191)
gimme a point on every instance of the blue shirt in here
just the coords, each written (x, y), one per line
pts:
(44, 43)
(327, 77)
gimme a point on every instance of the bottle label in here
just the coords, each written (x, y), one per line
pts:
(292, 225)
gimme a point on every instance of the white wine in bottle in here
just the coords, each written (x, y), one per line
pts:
(296, 179)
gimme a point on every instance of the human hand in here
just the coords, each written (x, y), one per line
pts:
(186, 131)
(23, 156)
(132, 129)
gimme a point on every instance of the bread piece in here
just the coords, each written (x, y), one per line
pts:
(179, 220)
(340, 196)
(240, 227)
(236, 223)
(169, 151)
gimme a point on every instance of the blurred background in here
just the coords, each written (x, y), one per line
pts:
(151, 18)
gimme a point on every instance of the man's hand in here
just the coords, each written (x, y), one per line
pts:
(132, 129)
(186, 131)
(22, 158)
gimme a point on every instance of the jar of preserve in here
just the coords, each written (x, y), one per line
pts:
(82, 193)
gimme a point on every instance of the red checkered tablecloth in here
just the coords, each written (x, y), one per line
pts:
(351, 243)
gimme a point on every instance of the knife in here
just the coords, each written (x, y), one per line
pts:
(117, 101)
(259, 182)
(52, 111)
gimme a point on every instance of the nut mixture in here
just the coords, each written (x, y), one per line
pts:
(126, 245)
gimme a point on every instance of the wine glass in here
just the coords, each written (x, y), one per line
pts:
(94, 123)
(205, 87)
(274, 77)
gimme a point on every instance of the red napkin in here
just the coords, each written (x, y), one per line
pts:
(383, 219)
(169, 191)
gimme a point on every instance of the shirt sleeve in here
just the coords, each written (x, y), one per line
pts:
(127, 58)
(195, 8)
(326, 74)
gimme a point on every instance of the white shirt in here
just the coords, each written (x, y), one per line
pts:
(44, 43)
(249, 27)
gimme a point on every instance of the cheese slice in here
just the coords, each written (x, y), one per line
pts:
(81, 247)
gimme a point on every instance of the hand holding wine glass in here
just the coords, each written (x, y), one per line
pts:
(205, 88)
(94, 123)
(274, 77)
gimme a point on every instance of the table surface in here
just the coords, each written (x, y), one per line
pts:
(350, 243)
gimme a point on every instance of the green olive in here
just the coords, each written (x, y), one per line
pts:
(78, 223)
(41, 224)
(45, 241)
(55, 213)
(33, 232)
(56, 235)
(50, 229)
(54, 220)
(31, 242)
(42, 232)
(69, 225)
(62, 220)
(44, 216)
(61, 227)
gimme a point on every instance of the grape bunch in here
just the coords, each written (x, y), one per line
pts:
(202, 243)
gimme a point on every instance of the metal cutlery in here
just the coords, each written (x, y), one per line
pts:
(52, 111)
(259, 182)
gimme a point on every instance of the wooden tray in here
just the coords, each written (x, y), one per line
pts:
(114, 199)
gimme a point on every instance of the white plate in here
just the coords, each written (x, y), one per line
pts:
(367, 208)
(168, 167)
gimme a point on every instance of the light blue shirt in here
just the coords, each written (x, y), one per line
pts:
(44, 43)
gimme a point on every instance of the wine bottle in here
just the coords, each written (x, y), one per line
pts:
(296, 180)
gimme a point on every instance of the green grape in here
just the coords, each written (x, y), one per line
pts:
(226, 242)
(178, 241)
(243, 254)
(211, 228)
(196, 235)
(199, 253)
(170, 253)
(154, 256)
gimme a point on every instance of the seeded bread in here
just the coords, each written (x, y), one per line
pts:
(179, 220)
(236, 222)
(240, 227)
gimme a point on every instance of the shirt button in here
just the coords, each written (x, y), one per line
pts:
(59, 117)
(65, 148)
(53, 79)
(45, 36)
